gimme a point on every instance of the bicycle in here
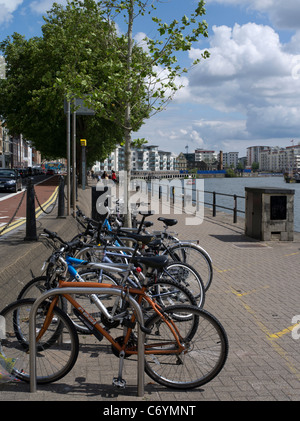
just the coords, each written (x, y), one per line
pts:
(161, 284)
(180, 352)
(185, 252)
(177, 250)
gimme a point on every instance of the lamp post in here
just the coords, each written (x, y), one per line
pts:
(83, 161)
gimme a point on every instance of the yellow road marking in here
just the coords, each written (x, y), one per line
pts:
(38, 211)
(243, 294)
(272, 337)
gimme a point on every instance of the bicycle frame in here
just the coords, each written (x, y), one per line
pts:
(137, 290)
(141, 293)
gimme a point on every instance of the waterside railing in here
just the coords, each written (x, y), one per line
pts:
(211, 199)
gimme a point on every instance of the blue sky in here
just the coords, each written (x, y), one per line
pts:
(245, 94)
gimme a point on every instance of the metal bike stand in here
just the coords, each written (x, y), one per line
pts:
(77, 290)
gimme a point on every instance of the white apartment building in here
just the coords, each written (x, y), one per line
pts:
(205, 155)
(145, 158)
(280, 159)
(230, 159)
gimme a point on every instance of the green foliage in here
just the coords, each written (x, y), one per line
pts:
(230, 173)
(82, 55)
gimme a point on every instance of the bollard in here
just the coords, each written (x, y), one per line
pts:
(31, 234)
(61, 198)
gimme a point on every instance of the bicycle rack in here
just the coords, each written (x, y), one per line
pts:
(82, 290)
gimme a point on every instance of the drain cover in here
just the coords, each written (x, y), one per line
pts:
(250, 245)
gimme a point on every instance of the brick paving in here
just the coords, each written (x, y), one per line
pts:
(255, 294)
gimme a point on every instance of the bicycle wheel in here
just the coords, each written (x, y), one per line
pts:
(204, 356)
(187, 276)
(37, 286)
(194, 256)
(57, 350)
(167, 292)
(34, 288)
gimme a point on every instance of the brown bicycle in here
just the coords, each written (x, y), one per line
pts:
(185, 347)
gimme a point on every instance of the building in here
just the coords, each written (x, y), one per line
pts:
(144, 158)
(230, 159)
(181, 162)
(205, 155)
(253, 154)
(5, 148)
(280, 159)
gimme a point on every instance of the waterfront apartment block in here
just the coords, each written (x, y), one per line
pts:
(275, 158)
(144, 158)
(230, 159)
(207, 156)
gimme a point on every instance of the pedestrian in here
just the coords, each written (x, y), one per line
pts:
(113, 176)
(104, 176)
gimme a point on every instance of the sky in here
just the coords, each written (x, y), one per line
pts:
(247, 92)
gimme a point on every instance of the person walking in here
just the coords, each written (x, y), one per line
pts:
(113, 176)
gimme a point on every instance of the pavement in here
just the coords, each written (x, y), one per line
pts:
(254, 293)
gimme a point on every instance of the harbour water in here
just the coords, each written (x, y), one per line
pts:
(237, 186)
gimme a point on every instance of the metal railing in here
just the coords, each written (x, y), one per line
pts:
(195, 194)
(234, 209)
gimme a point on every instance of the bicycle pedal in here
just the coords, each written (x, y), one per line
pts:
(119, 383)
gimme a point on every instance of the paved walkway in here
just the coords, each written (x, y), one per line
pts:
(255, 294)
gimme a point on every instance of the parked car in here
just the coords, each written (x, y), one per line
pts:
(22, 171)
(50, 172)
(10, 180)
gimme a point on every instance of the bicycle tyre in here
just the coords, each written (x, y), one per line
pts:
(37, 286)
(195, 256)
(205, 354)
(167, 293)
(187, 276)
(56, 354)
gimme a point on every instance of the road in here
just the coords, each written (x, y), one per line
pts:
(36, 179)
(13, 205)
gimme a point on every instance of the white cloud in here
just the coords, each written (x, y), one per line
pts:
(283, 14)
(10, 5)
(42, 6)
(7, 8)
(249, 72)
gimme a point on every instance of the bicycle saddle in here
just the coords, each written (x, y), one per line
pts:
(144, 239)
(146, 213)
(168, 222)
(152, 261)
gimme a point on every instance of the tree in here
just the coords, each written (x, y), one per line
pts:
(133, 78)
(31, 97)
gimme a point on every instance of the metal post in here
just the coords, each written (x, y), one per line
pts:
(61, 198)
(68, 158)
(235, 209)
(83, 162)
(74, 165)
(88, 291)
(214, 203)
(31, 234)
